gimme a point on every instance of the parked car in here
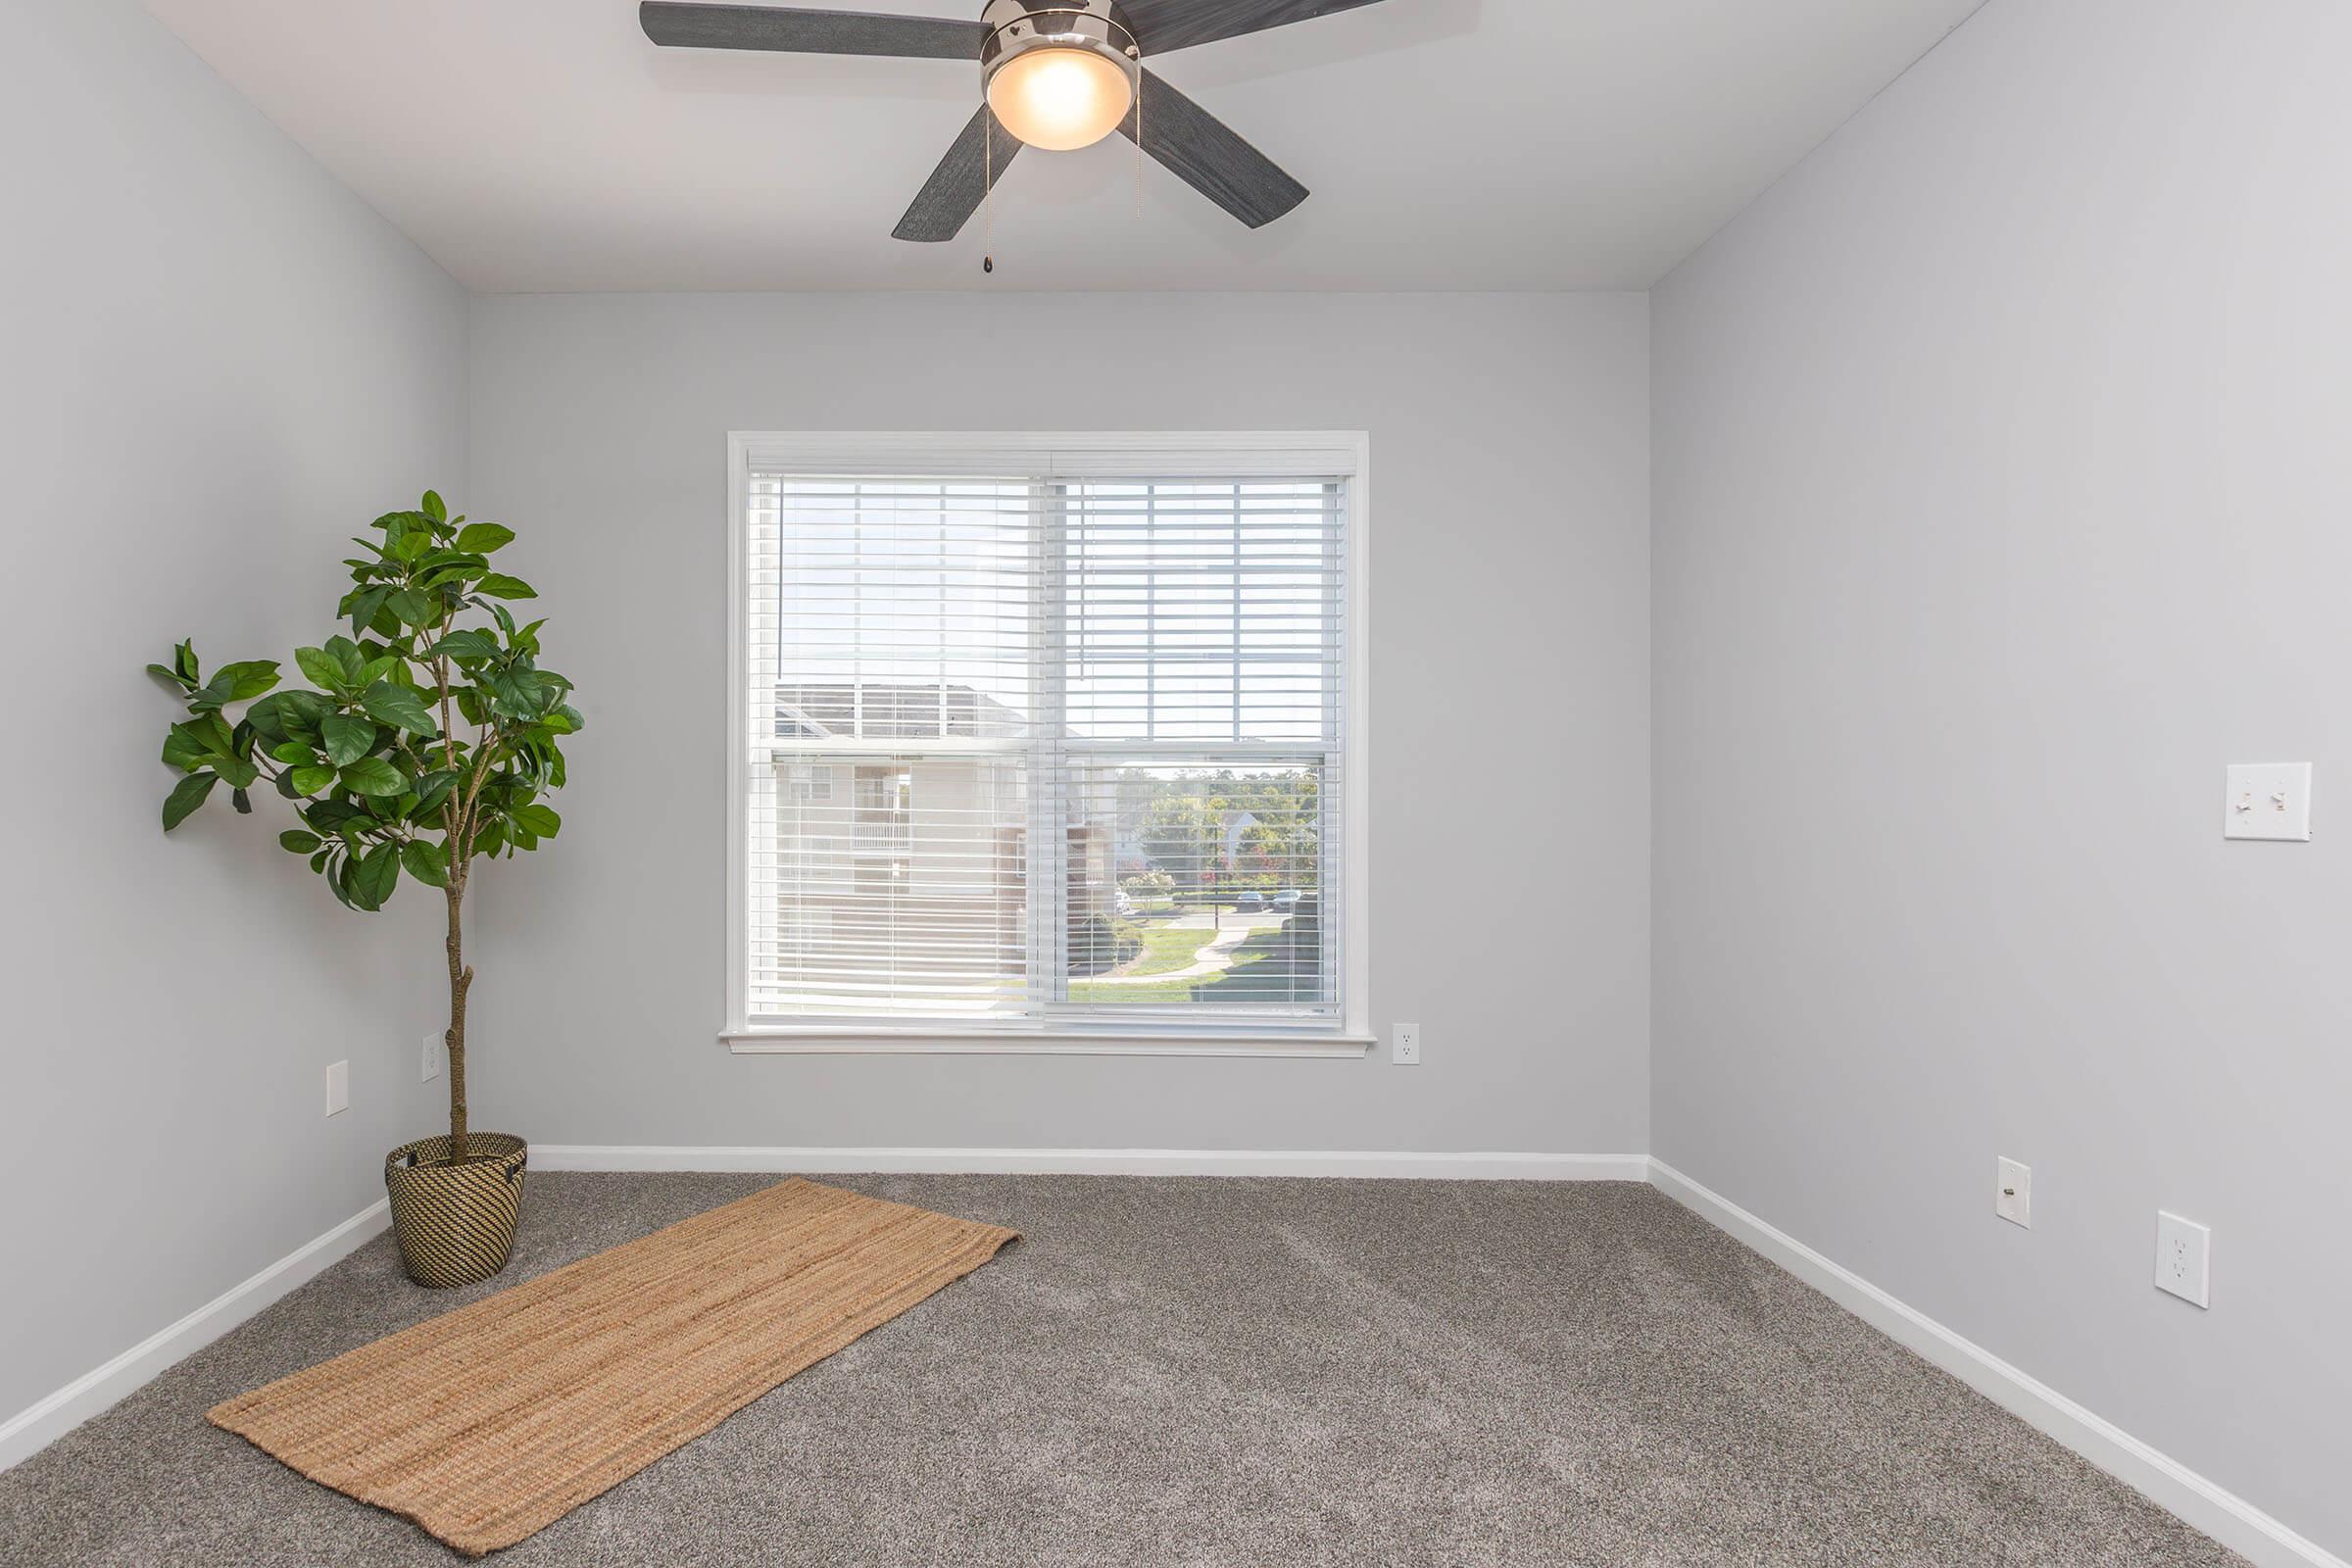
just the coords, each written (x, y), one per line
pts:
(1250, 904)
(1286, 900)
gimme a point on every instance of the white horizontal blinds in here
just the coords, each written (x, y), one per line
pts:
(1044, 749)
(892, 677)
(1201, 764)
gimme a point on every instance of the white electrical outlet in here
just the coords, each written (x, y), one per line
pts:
(2013, 1193)
(338, 1088)
(2184, 1259)
(1404, 1045)
(430, 1067)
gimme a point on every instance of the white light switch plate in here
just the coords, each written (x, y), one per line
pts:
(2013, 1193)
(429, 1063)
(2184, 1259)
(2267, 801)
(338, 1088)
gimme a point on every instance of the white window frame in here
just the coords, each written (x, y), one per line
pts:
(1345, 454)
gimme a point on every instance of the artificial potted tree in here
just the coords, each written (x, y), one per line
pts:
(425, 742)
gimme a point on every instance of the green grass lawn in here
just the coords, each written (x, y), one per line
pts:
(1251, 977)
(1167, 947)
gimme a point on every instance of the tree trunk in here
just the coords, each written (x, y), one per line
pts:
(461, 980)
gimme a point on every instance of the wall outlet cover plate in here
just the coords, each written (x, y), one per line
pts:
(2184, 1259)
(2013, 1193)
(2267, 801)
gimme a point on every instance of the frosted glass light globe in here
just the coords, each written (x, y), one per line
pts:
(1059, 99)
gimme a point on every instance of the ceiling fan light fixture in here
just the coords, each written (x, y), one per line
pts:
(1058, 77)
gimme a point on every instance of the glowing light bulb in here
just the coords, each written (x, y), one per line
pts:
(1059, 99)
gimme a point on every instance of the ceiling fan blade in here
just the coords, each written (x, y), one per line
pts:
(1208, 155)
(811, 32)
(1161, 26)
(960, 183)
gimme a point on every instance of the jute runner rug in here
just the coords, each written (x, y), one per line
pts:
(498, 1418)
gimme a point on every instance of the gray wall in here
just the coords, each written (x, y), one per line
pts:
(2002, 485)
(1509, 635)
(218, 364)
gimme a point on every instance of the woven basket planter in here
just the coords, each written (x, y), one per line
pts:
(456, 1223)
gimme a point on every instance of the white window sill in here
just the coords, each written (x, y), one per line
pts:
(932, 1043)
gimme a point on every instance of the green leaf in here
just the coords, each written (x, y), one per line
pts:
(520, 692)
(433, 789)
(348, 658)
(242, 801)
(372, 775)
(540, 821)
(170, 677)
(426, 863)
(181, 749)
(480, 538)
(294, 752)
(247, 678)
(373, 874)
(434, 507)
(498, 585)
(184, 659)
(289, 712)
(299, 842)
(414, 608)
(322, 668)
(364, 605)
(443, 568)
(399, 706)
(186, 795)
(310, 780)
(213, 695)
(332, 818)
(348, 738)
(319, 861)
(465, 645)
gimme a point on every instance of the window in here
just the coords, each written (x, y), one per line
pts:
(1046, 743)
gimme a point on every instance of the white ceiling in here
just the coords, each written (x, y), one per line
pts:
(544, 145)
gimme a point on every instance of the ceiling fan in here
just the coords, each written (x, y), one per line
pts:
(1056, 75)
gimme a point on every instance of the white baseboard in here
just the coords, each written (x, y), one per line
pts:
(1097, 1162)
(49, 1419)
(2221, 1515)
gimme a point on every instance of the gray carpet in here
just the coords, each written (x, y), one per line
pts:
(1222, 1373)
